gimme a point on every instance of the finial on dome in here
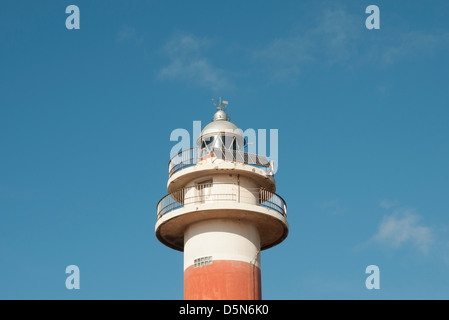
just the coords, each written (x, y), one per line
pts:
(220, 114)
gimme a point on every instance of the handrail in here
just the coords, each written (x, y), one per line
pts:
(179, 198)
(192, 156)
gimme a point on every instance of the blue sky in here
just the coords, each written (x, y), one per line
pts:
(86, 117)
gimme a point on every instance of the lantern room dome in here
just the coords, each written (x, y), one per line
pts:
(221, 127)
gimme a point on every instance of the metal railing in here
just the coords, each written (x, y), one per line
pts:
(192, 156)
(202, 194)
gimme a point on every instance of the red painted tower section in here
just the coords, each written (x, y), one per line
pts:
(223, 280)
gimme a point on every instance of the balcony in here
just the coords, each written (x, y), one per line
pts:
(193, 156)
(220, 193)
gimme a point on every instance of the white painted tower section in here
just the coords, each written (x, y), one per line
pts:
(222, 239)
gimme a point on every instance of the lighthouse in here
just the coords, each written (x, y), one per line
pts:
(221, 210)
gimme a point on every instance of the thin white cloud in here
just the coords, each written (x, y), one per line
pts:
(414, 44)
(331, 40)
(340, 37)
(189, 64)
(403, 227)
(128, 34)
(285, 57)
(387, 204)
(333, 207)
(336, 34)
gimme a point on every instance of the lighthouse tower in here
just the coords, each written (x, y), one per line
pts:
(221, 210)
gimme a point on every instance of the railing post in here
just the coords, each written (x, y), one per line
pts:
(238, 187)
